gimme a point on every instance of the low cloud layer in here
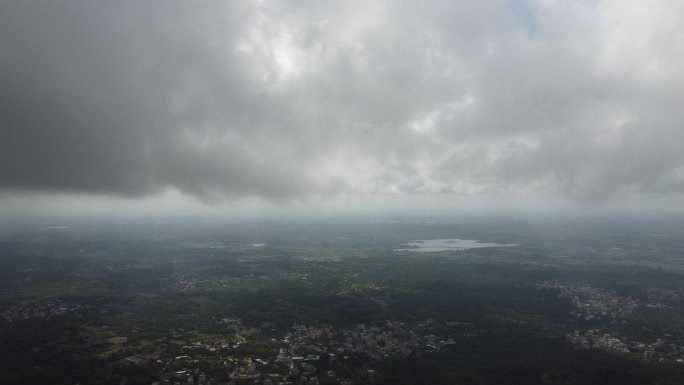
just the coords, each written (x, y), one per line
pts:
(280, 100)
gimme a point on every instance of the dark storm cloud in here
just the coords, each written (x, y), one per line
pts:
(280, 100)
(132, 98)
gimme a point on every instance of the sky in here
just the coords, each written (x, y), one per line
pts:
(335, 105)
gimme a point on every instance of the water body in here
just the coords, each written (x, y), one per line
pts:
(433, 245)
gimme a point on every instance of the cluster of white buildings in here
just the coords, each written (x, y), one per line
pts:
(187, 285)
(309, 355)
(597, 304)
(391, 340)
(45, 309)
(592, 303)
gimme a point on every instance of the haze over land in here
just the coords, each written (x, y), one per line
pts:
(310, 106)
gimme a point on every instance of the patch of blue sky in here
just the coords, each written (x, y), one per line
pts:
(526, 11)
(526, 15)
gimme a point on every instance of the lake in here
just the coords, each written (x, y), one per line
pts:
(433, 245)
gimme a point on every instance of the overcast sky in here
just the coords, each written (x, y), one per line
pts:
(222, 102)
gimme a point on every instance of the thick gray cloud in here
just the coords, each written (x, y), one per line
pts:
(283, 100)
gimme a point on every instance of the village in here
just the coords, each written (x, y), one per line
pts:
(44, 310)
(308, 354)
(593, 305)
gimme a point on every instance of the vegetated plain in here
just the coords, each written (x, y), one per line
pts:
(331, 302)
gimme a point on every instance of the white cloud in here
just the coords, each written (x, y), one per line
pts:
(301, 100)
